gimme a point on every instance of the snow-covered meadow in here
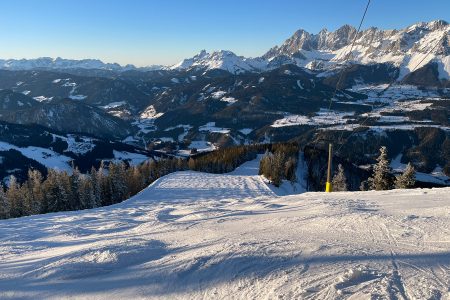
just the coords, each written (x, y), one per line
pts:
(196, 235)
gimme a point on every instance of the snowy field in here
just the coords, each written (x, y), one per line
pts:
(195, 235)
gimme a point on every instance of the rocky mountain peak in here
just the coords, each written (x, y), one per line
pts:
(201, 54)
(372, 45)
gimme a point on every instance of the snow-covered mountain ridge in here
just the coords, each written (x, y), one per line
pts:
(404, 48)
(66, 64)
(225, 60)
(193, 235)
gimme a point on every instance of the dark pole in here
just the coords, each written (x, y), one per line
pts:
(328, 187)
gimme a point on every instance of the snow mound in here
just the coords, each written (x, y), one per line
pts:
(97, 261)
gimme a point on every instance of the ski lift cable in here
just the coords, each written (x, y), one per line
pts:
(379, 94)
(416, 66)
(348, 55)
(346, 58)
(389, 86)
(341, 75)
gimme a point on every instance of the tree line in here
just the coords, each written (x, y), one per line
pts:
(111, 183)
(227, 159)
(114, 182)
(280, 162)
(224, 160)
(63, 191)
(381, 178)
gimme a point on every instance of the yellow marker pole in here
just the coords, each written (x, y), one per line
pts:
(328, 187)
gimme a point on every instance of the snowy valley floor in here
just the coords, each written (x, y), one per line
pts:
(196, 235)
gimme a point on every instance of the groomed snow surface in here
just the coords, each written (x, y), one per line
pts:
(196, 235)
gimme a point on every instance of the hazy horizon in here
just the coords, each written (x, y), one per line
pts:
(154, 33)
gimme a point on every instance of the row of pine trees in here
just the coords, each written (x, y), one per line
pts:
(109, 184)
(381, 178)
(280, 163)
(61, 191)
(114, 182)
(227, 159)
(224, 160)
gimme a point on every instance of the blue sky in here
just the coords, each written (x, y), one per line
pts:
(144, 32)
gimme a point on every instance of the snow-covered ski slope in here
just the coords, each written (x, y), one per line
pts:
(195, 235)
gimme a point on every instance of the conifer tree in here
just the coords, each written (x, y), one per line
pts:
(96, 187)
(364, 185)
(105, 185)
(133, 180)
(75, 190)
(67, 200)
(86, 193)
(35, 194)
(15, 198)
(27, 199)
(280, 165)
(191, 164)
(4, 204)
(278, 168)
(381, 179)
(289, 170)
(407, 180)
(180, 164)
(50, 192)
(116, 176)
(265, 164)
(147, 172)
(339, 181)
(122, 174)
(56, 196)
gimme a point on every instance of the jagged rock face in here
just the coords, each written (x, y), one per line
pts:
(303, 40)
(387, 40)
(300, 40)
(372, 45)
(327, 50)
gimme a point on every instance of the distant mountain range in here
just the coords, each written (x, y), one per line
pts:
(48, 63)
(220, 99)
(326, 50)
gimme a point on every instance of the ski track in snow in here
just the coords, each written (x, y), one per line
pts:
(194, 235)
